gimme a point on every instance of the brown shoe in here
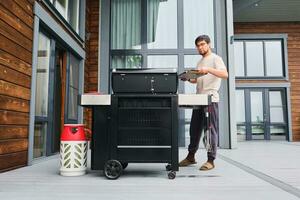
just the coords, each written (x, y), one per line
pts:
(207, 166)
(185, 162)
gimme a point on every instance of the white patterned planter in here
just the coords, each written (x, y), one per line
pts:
(73, 158)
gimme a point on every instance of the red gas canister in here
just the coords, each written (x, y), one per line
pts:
(73, 132)
(73, 150)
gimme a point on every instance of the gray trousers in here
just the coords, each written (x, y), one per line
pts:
(198, 124)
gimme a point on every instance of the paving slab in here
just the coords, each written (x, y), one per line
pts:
(144, 181)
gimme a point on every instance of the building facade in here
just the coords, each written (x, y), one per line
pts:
(53, 50)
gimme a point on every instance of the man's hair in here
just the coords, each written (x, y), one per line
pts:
(202, 38)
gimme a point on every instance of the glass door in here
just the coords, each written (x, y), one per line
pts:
(258, 115)
(261, 114)
(42, 96)
(278, 113)
(49, 98)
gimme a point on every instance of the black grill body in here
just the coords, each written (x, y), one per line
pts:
(140, 125)
(139, 129)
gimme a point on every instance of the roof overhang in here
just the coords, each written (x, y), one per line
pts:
(266, 10)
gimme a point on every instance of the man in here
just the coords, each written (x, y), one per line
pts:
(213, 69)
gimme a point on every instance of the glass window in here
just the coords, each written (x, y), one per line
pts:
(274, 59)
(239, 59)
(42, 76)
(74, 14)
(276, 107)
(258, 132)
(240, 106)
(72, 104)
(189, 88)
(162, 24)
(39, 145)
(255, 59)
(278, 132)
(198, 20)
(187, 131)
(163, 61)
(125, 24)
(70, 10)
(127, 62)
(190, 61)
(263, 58)
(241, 133)
(256, 107)
(73, 88)
(62, 7)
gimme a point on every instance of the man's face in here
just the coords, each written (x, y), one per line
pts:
(202, 47)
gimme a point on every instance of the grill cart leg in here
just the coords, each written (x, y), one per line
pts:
(168, 167)
(113, 169)
(207, 136)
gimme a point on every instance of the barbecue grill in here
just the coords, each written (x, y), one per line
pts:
(138, 123)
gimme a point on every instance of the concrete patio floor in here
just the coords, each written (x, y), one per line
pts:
(255, 170)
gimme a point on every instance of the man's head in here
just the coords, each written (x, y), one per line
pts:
(202, 43)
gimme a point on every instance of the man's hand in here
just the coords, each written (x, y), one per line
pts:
(193, 80)
(183, 79)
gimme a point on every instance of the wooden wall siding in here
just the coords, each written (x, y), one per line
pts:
(293, 31)
(16, 35)
(91, 63)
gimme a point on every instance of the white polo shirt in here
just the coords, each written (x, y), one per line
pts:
(210, 84)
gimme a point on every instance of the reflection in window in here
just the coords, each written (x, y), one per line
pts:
(255, 59)
(163, 61)
(62, 7)
(126, 62)
(278, 132)
(276, 107)
(258, 131)
(198, 20)
(240, 106)
(126, 24)
(241, 130)
(256, 107)
(239, 59)
(73, 88)
(74, 14)
(42, 76)
(39, 145)
(162, 24)
(274, 58)
(69, 9)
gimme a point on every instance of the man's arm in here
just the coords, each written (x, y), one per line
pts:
(221, 73)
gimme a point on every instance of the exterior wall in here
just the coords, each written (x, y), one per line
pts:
(91, 62)
(292, 29)
(16, 35)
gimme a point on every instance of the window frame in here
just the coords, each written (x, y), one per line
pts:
(264, 38)
(80, 35)
(180, 51)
